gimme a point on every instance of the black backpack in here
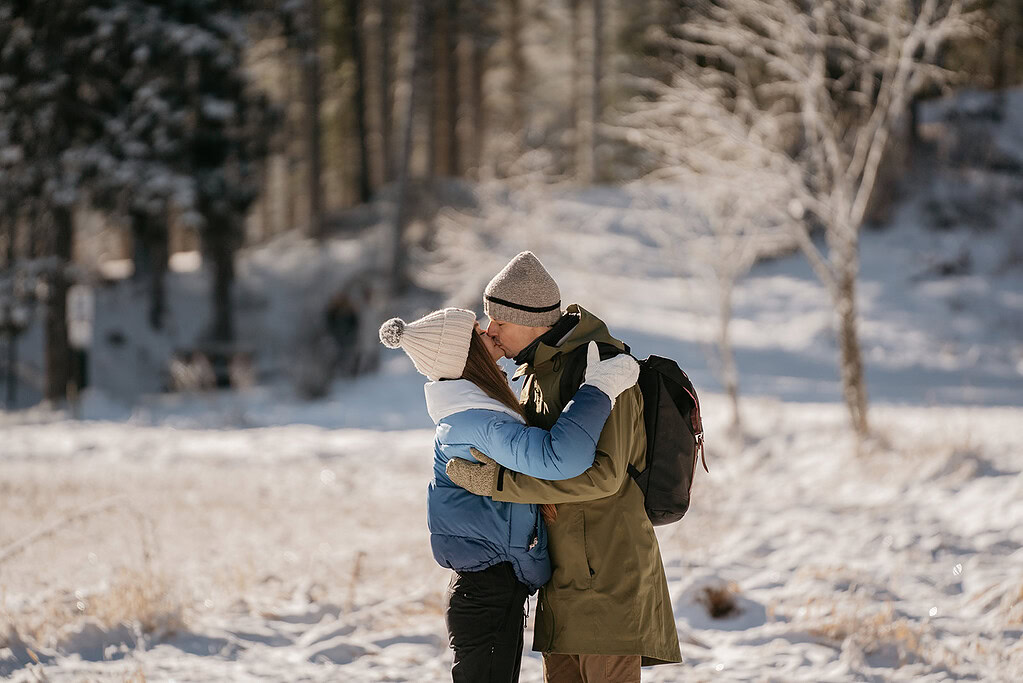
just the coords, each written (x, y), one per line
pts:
(674, 429)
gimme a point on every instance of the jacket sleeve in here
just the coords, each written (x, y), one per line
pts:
(605, 477)
(564, 452)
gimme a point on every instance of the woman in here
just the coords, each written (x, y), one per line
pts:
(498, 551)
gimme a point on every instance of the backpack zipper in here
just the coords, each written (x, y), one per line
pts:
(697, 428)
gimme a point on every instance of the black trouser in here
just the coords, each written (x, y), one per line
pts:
(485, 617)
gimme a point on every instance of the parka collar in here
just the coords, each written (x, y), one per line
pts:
(589, 328)
(551, 337)
(454, 396)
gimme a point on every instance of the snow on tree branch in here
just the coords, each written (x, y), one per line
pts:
(806, 97)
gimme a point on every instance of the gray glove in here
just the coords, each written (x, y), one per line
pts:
(612, 376)
(479, 478)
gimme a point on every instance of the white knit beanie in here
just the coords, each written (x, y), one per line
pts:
(438, 343)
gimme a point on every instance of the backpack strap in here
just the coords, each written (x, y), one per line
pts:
(573, 367)
(573, 371)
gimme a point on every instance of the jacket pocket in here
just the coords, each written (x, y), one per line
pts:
(572, 569)
(523, 524)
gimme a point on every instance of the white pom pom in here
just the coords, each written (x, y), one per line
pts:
(391, 332)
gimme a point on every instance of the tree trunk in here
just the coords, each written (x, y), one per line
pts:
(58, 351)
(219, 249)
(575, 94)
(427, 73)
(150, 259)
(158, 275)
(34, 247)
(729, 368)
(265, 200)
(355, 41)
(597, 99)
(854, 388)
(439, 83)
(10, 223)
(449, 50)
(397, 266)
(518, 65)
(311, 84)
(477, 68)
(289, 163)
(11, 398)
(384, 101)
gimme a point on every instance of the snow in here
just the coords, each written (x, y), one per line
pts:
(254, 536)
(185, 262)
(303, 549)
(217, 109)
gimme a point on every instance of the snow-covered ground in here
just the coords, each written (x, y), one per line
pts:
(300, 553)
(252, 536)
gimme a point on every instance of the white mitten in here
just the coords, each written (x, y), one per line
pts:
(612, 376)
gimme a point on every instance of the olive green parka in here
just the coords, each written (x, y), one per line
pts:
(608, 594)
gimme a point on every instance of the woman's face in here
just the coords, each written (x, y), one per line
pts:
(492, 348)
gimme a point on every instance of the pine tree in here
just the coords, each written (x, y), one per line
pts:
(227, 138)
(48, 88)
(142, 108)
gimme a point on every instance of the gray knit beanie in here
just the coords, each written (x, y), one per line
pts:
(523, 293)
(438, 343)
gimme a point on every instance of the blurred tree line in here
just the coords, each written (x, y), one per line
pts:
(235, 122)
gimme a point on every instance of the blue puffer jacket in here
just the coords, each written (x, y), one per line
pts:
(470, 532)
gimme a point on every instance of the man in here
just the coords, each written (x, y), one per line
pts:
(606, 610)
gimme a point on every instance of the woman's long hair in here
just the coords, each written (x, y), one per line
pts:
(481, 370)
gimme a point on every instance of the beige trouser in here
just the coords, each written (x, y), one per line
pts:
(591, 668)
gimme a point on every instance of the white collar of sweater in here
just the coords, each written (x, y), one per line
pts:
(455, 395)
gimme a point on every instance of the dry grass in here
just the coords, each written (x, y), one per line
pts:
(136, 676)
(720, 600)
(835, 573)
(869, 628)
(42, 623)
(1012, 604)
(356, 578)
(138, 597)
(905, 440)
(870, 631)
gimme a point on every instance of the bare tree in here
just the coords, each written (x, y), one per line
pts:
(479, 36)
(444, 88)
(384, 99)
(518, 66)
(713, 232)
(310, 46)
(353, 17)
(811, 97)
(450, 48)
(394, 270)
(575, 104)
(596, 99)
(730, 228)
(429, 98)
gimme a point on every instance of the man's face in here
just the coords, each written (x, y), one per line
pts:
(511, 338)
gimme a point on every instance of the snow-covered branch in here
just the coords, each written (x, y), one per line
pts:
(807, 98)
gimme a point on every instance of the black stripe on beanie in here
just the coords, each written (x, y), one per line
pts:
(520, 307)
